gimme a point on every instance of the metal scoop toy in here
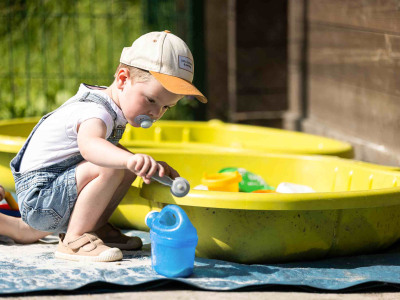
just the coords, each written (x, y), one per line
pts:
(179, 186)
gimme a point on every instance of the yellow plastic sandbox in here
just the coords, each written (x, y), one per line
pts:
(211, 136)
(356, 207)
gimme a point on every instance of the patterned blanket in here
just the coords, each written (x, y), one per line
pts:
(33, 268)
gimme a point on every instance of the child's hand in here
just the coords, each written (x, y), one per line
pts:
(2, 193)
(168, 170)
(144, 166)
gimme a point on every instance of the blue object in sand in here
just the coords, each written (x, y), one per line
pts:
(173, 241)
(9, 212)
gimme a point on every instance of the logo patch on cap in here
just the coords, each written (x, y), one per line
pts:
(185, 63)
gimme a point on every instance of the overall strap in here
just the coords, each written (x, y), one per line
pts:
(91, 97)
(86, 97)
(117, 131)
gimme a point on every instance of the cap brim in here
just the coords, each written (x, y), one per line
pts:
(179, 86)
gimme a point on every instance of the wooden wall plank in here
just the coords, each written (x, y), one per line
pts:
(370, 15)
(356, 111)
(261, 68)
(261, 23)
(361, 59)
(262, 101)
(216, 58)
(351, 78)
(261, 59)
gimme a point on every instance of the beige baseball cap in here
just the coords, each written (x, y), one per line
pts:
(167, 58)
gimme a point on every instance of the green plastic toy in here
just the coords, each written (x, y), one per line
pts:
(250, 181)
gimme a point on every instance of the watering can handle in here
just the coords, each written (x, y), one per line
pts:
(177, 212)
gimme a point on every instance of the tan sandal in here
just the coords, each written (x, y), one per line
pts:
(88, 247)
(113, 237)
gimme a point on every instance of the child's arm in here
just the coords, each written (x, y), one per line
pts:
(97, 150)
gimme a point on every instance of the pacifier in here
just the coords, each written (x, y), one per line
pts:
(144, 121)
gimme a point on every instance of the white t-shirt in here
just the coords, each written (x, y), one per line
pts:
(56, 138)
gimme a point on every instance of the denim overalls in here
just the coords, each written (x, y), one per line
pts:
(46, 196)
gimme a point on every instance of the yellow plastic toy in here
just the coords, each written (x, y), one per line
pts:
(211, 136)
(11, 201)
(355, 209)
(224, 182)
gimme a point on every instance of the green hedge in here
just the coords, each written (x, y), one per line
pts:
(48, 47)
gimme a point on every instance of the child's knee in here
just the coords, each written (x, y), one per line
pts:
(112, 174)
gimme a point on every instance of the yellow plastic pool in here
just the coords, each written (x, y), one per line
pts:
(211, 136)
(356, 207)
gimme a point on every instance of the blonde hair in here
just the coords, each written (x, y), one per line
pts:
(136, 74)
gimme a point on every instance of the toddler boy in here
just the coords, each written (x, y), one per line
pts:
(71, 173)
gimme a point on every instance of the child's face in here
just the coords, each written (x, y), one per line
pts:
(145, 98)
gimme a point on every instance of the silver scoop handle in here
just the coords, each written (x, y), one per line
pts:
(165, 180)
(179, 186)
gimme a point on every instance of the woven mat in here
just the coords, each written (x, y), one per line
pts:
(33, 268)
